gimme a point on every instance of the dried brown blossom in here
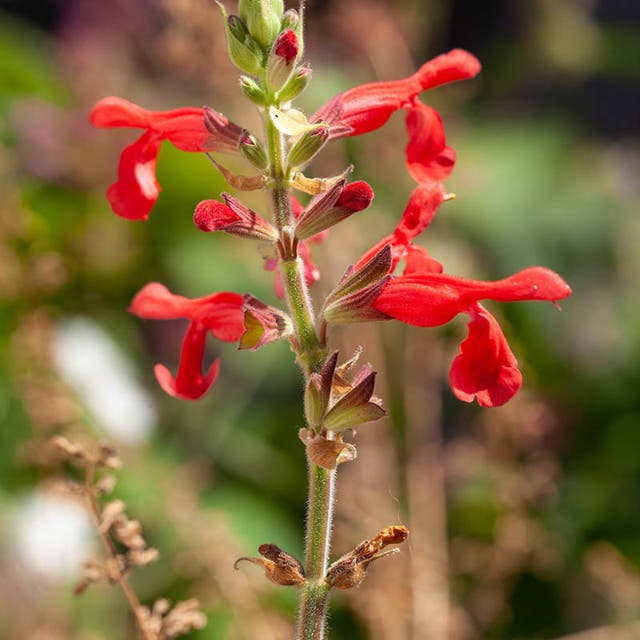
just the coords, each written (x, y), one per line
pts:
(114, 526)
(350, 570)
(279, 566)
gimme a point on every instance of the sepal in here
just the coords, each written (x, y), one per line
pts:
(252, 90)
(333, 206)
(225, 135)
(296, 84)
(240, 53)
(263, 324)
(352, 300)
(318, 392)
(355, 407)
(282, 60)
(263, 19)
(308, 146)
(253, 151)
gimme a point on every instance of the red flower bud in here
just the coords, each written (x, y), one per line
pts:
(286, 46)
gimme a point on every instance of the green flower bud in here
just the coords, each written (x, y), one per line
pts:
(253, 150)
(296, 85)
(308, 146)
(294, 20)
(262, 18)
(252, 90)
(241, 55)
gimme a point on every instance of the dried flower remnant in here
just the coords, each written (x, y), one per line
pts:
(114, 527)
(350, 570)
(279, 566)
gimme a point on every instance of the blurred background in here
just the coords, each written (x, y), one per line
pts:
(524, 519)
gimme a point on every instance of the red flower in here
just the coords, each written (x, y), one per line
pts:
(420, 211)
(369, 106)
(220, 313)
(136, 190)
(486, 368)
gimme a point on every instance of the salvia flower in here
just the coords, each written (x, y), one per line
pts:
(220, 314)
(136, 190)
(369, 106)
(486, 369)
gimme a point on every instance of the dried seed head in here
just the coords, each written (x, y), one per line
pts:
(140, 558)
(350, 570)
(105, 485)
(279, 566)
(111, 512)
(69, 448)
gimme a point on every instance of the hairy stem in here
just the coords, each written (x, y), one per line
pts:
(311, 354)
(127, 589)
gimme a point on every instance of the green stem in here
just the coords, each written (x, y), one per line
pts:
(311, 354)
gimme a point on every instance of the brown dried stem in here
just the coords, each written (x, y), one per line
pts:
(123, 582)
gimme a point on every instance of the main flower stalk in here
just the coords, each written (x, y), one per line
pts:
(311, 354)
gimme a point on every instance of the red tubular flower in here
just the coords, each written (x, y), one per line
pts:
(220, 313)
(432, 299)
(369, 106)
(133, 195)
(486, 368)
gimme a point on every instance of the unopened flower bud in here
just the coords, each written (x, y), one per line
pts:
(309, 145)
(290, 19)
(253, 150)
(252, 90)
(233, 217)
(293, 20)
(282, 59)
(237, 27)
(263, 19)
(237, 37)
(296, 84)
(332, 206)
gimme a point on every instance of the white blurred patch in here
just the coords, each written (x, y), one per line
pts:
(93, 365)
(52, 535)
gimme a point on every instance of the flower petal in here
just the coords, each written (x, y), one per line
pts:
(485, 369)
(135, 192)
(428, 156)
(189, 383)
(221, 313)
